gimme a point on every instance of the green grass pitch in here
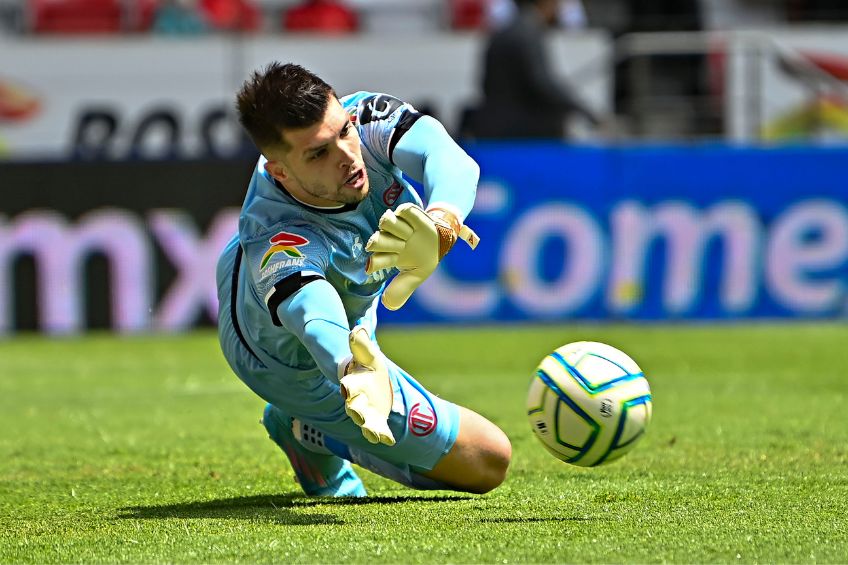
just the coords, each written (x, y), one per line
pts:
(148, 450)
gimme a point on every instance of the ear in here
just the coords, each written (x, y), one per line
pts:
(277, 170)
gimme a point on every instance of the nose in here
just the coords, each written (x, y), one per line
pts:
(348, 157)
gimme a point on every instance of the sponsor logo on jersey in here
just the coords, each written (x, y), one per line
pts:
(356, 248)
(284, 242)
(422, 420)
(379, 276)
(278, 266)
(391, 194)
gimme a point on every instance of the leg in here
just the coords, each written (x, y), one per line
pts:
(318, 470)
(479, 458)
(439, 446)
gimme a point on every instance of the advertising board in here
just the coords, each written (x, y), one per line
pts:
(697, 233)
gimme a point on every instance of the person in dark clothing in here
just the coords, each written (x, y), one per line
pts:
(523, 99)
(817, 10)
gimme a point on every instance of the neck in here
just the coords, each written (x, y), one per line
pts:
(317, 202)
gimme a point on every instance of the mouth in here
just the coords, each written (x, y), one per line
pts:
(356, 180)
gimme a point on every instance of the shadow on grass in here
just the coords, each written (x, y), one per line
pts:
(531, 519)
(273, 508)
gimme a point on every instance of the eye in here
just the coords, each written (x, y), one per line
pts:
(318, 154)
(346, 130)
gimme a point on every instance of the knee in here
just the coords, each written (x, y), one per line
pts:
(479, 459)
(492, 463)
(489, 465)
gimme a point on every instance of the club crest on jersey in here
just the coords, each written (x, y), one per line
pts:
(391, 194)
(422, 420)
(284, 242)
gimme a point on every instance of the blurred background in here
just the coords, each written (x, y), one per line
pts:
(689, 164)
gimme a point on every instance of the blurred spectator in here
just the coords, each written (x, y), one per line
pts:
(11, 16)
(231, 15)
(76, 16)
(327, 16)
(818, 10)
(178, 17)
(467, 14)
(522, 98)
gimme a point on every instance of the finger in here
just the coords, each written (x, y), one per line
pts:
(362, 348)
(369, 435)
(395, 226)
(379, 261)
(353, 384)
(416, 217)
(379, 428)
(357, 407)
(384, 242)
(400, 289)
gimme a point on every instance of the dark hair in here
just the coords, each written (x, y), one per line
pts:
(281, 97)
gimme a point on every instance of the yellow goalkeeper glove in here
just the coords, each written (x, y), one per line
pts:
(414, 241)
(367, 389)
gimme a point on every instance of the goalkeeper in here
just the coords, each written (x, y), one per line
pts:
(327, 220)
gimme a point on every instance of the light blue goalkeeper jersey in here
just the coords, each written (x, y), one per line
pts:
(284, 246)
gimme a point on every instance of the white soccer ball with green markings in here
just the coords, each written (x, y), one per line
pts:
(589, 403)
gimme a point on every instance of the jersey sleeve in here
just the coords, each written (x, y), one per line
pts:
(315, 314)
(382, 120)
(284, 260)
(397, 134)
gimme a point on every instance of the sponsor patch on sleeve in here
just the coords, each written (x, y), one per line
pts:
(287, 243)
(283, 253)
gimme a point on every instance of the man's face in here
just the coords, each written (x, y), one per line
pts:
(323, 165)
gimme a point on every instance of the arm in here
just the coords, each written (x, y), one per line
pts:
(316, 315)
(429, 155)
(400, 136)
(414, 240)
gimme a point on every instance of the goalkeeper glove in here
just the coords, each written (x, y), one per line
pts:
(367, 389)
(414, 241)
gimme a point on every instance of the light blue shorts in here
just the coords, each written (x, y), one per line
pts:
(425, 426)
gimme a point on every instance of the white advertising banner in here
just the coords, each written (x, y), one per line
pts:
(788, 84)
(155, 97)
(804, 88)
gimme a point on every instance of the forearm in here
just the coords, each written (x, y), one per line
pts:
(429, 155)
(316, 315)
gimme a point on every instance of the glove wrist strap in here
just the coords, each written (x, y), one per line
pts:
(450, 228)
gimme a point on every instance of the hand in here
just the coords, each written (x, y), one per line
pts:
(414, 241)
(367, 389)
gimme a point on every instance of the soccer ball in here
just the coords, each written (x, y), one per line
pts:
(589, 403)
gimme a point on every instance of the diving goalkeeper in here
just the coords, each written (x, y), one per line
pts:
(328, 219)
